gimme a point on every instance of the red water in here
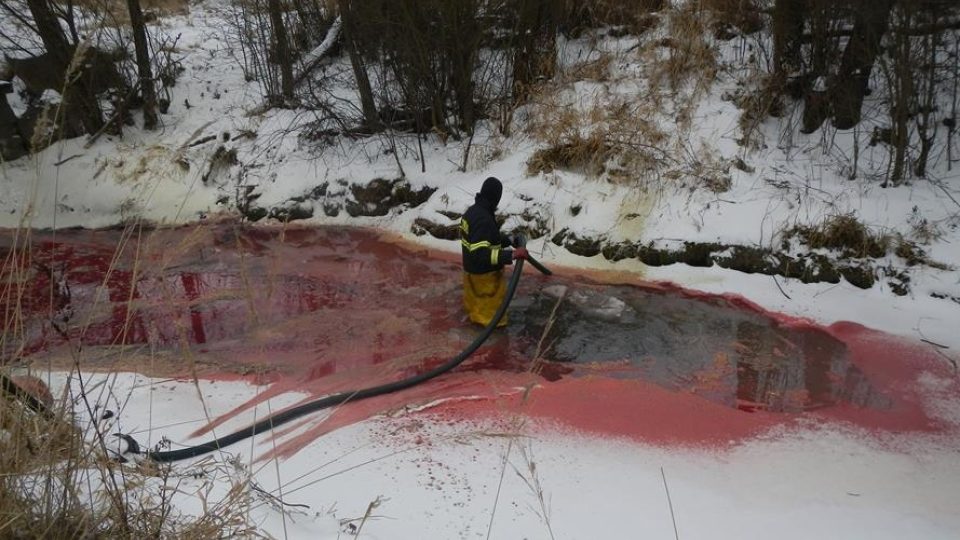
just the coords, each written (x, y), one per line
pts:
(321, 310)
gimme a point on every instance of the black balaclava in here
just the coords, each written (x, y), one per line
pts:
(492, 190)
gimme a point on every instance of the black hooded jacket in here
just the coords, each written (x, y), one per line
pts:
(481, 241)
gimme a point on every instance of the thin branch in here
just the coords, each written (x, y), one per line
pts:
(781, 288)
(676, 533)
(935, 344)
(945, 191)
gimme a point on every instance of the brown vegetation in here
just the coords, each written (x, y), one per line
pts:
(843, 233)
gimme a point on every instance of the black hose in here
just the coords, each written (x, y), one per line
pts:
(283, 417)
(536, 264)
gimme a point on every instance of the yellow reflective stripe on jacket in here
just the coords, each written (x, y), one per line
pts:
(495, 255)
(464, 226)
(479, 245)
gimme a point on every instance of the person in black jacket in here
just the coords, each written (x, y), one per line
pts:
(485, 253)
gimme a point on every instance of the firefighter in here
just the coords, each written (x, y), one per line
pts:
(485, 253)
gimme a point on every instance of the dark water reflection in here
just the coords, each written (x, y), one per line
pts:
(705, 346)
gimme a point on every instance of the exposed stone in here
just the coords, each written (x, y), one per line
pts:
(422, 226)
(292, 212)
(379, 196)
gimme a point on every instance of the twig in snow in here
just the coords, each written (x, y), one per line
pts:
(676, 533)
(935, 344)
(196, 134)
(944, 190)
(781, 288)
(373, 504)
(109, 123)
(206, 139)
(275, 499)
(496, 500)
(951, 360)
(64, 160)
(937, 349)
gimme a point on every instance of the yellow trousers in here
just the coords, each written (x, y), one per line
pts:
(482, 295)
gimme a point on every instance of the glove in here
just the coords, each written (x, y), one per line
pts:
(520, 253)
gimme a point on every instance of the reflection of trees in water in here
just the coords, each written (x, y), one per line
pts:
(719, 352)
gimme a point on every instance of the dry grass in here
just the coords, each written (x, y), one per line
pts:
(851, 238)
(57, 476)
(843, 233)
(574, 152)
(614, 139)
(614, 135)
(690, 58)
(115, 12)
(597, 70)
(33, 449)
(756, 104)
(632, 16)
(744, 15)
(702, 168)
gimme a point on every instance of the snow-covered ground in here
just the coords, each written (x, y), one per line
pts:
(510, 477)
(415, 475)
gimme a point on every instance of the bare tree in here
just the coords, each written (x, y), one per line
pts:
(282, 49)
(850, 84)
(352, 37)
(71, 70)
(534, 36)
(788, 23)
(144, 72)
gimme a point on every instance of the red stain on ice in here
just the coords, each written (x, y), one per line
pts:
(645, 412)
(630, 408)
(324, 310)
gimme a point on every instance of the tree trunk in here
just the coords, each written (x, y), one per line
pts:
(788, 21)
(370, 116)
(535, 49)
(903, 89)
(50, 32)
(282, 49)
(850, 84)
(928, 80)
(462, 44)
(77, 85)
(147, 89)
(12, 144)
(820, 15)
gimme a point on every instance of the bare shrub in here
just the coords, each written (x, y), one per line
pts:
(734, 16)
(631, 16)
(701, 168)
(115, 13)
(615, 139)
(597, 70)
(759, 100)
(690, 58)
